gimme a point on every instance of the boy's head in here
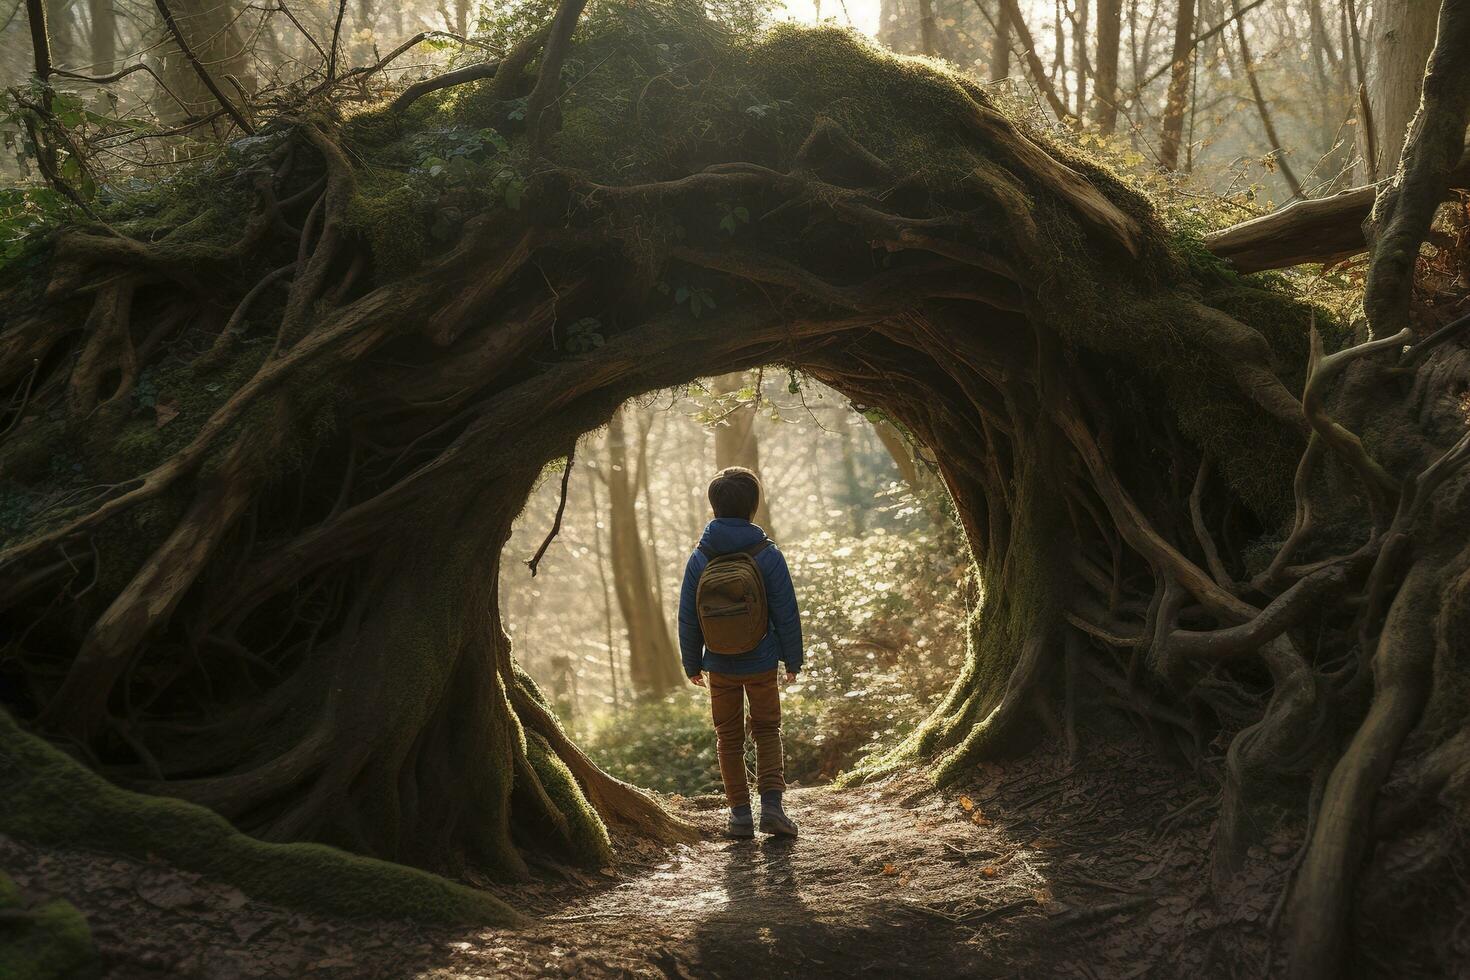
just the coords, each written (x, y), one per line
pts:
(735, 492)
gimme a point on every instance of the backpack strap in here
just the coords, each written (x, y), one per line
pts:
(758, 547)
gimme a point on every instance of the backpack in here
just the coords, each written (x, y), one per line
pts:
(731, 599)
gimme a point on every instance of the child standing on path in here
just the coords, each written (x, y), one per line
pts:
(737, 621)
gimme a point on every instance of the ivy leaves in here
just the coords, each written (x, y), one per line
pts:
(696, 299)
(459, 158)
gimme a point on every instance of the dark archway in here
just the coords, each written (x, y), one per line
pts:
(255, 594)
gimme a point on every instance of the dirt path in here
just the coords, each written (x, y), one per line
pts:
(1097, 870)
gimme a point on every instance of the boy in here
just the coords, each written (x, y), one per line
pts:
(734, 494)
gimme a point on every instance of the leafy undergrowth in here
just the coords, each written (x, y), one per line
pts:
(882, 617)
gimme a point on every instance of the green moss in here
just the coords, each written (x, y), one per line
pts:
(52, 799)
(589, 844)
(389, 210)
(48, 942)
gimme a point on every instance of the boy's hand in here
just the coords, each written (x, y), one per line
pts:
(790, 676)
(697, 679)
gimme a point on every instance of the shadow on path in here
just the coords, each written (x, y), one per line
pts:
(779, 917)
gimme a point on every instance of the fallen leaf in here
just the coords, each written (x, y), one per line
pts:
(966, 804)
(979, 819)
(990, 871)
(166, 413)
(890, 869)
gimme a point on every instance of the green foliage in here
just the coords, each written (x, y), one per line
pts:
(52, 799)
(882, 628)
(26, 215)
(418, 186)
(583, 335)
(666, 745)
(45, 942)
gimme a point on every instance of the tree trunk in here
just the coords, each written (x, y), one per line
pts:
(1000, 45)
(104, 36)
(653, 665)
(1105, 91)
(1017, 22)
(1181, 70)
(61, 23)
(854, 501)
(927, 33)
(1399, 37)
(599, 555)
(1079, 54)
(736, 443)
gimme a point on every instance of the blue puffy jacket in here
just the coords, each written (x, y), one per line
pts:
(782, 642)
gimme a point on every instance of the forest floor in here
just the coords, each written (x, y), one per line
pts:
(1035, 869)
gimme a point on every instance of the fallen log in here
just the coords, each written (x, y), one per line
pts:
(1323, 230)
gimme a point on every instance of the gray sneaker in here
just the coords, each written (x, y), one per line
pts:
(775, 821)
(740, 828)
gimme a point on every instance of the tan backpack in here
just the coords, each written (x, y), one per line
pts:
(731, 599)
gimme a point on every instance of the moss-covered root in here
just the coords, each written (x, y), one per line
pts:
(50, 798)
(50, 941)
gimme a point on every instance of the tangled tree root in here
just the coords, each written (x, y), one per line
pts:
(51, 799)
(286, 601)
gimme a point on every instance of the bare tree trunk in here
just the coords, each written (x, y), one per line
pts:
(736, 443)
(104, 35)
(61, 25)
(600, 555)
(1180, 71)
(1079, 54)
(1275, 148)
(1400, 37)
(644, 429)
(653, 666)
(926, 27)
(1105, 90)
(1017, 22)
(1000, 44)
(855, 502)
(40, 38)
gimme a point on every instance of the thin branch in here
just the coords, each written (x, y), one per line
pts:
(121, 73)
(566, 478)
(199, 69)
(1277, 151)
(460, 76)
(336, 40)
(549, 81)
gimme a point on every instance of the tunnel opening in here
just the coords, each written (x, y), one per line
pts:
(857, 511)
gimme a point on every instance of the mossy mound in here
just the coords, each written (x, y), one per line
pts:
(52, 799)
(50, 941)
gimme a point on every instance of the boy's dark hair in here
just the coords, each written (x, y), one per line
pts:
(735, 492)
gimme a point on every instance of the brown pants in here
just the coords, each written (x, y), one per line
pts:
(727, 696)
